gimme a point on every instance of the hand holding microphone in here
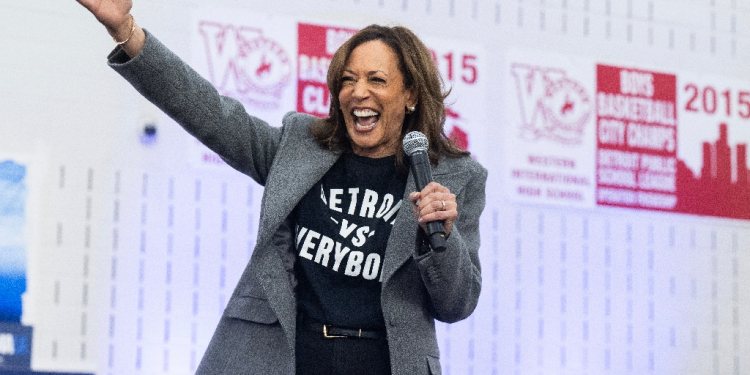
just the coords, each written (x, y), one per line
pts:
(434, 205)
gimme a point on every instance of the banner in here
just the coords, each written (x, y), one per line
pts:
(550, 137)
(586, 134)
(636, 138)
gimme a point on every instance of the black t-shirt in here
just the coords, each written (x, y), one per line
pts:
(343, 224)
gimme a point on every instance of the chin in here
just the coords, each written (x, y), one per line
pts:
(362, 144)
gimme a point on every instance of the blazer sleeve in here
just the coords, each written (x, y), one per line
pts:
(453, 277)
(245, 142)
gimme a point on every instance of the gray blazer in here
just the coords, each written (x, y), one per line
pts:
(256, 333)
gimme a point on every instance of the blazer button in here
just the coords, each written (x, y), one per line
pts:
(392, 321)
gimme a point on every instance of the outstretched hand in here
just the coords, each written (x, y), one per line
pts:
(115, 16)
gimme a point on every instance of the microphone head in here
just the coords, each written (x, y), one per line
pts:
(415, 141)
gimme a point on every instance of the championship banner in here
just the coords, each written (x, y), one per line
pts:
(636, 138)
(585, 134)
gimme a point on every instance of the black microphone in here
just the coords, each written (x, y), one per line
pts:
(415, 146)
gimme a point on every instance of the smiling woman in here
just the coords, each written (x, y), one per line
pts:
(385, 63)
(341, 279)
(373, 100)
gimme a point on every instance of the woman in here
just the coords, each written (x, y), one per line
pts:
(341, 280)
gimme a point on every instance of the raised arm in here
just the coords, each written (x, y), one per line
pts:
(120, 24)
(245, 142)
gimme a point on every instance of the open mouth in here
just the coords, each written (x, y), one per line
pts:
(365, 119)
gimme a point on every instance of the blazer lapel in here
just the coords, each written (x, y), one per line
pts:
(297, 168)
(401, 241)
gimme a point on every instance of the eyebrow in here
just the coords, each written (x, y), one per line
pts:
(368, 73)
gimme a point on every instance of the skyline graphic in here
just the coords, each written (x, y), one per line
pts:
(713, 192)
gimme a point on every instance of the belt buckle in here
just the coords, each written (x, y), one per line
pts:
(326, 335)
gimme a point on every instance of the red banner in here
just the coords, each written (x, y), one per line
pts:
(316, 46)
(636, 138)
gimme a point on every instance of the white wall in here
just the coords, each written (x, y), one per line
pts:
(664, 293)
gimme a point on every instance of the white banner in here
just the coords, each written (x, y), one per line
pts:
(549, 111)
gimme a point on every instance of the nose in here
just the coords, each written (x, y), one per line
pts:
(360, 90)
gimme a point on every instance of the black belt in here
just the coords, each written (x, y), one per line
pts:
(331, 332)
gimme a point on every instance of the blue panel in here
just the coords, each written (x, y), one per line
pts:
(15, 347)
(12, 243)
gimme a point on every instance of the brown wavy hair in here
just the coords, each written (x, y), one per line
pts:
(420, 73)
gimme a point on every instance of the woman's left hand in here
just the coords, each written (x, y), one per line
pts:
(435, 203)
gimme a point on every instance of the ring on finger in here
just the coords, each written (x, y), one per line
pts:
(443, 202)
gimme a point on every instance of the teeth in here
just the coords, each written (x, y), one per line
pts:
(365, 113)
(360, 126)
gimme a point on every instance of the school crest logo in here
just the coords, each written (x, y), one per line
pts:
(245, 64)
(552, 105)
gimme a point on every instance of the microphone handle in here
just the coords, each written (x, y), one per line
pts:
(422, 172)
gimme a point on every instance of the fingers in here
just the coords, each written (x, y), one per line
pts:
(438, 207)
(113, 14)
(435, 203)
(432, 187)
(120, 24)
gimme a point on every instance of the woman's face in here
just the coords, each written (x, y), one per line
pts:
(373, 100)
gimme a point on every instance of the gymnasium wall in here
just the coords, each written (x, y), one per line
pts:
(615, 239)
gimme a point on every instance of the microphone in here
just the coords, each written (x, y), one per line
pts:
(415, 146)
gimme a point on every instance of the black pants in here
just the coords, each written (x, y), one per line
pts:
(317, 355)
